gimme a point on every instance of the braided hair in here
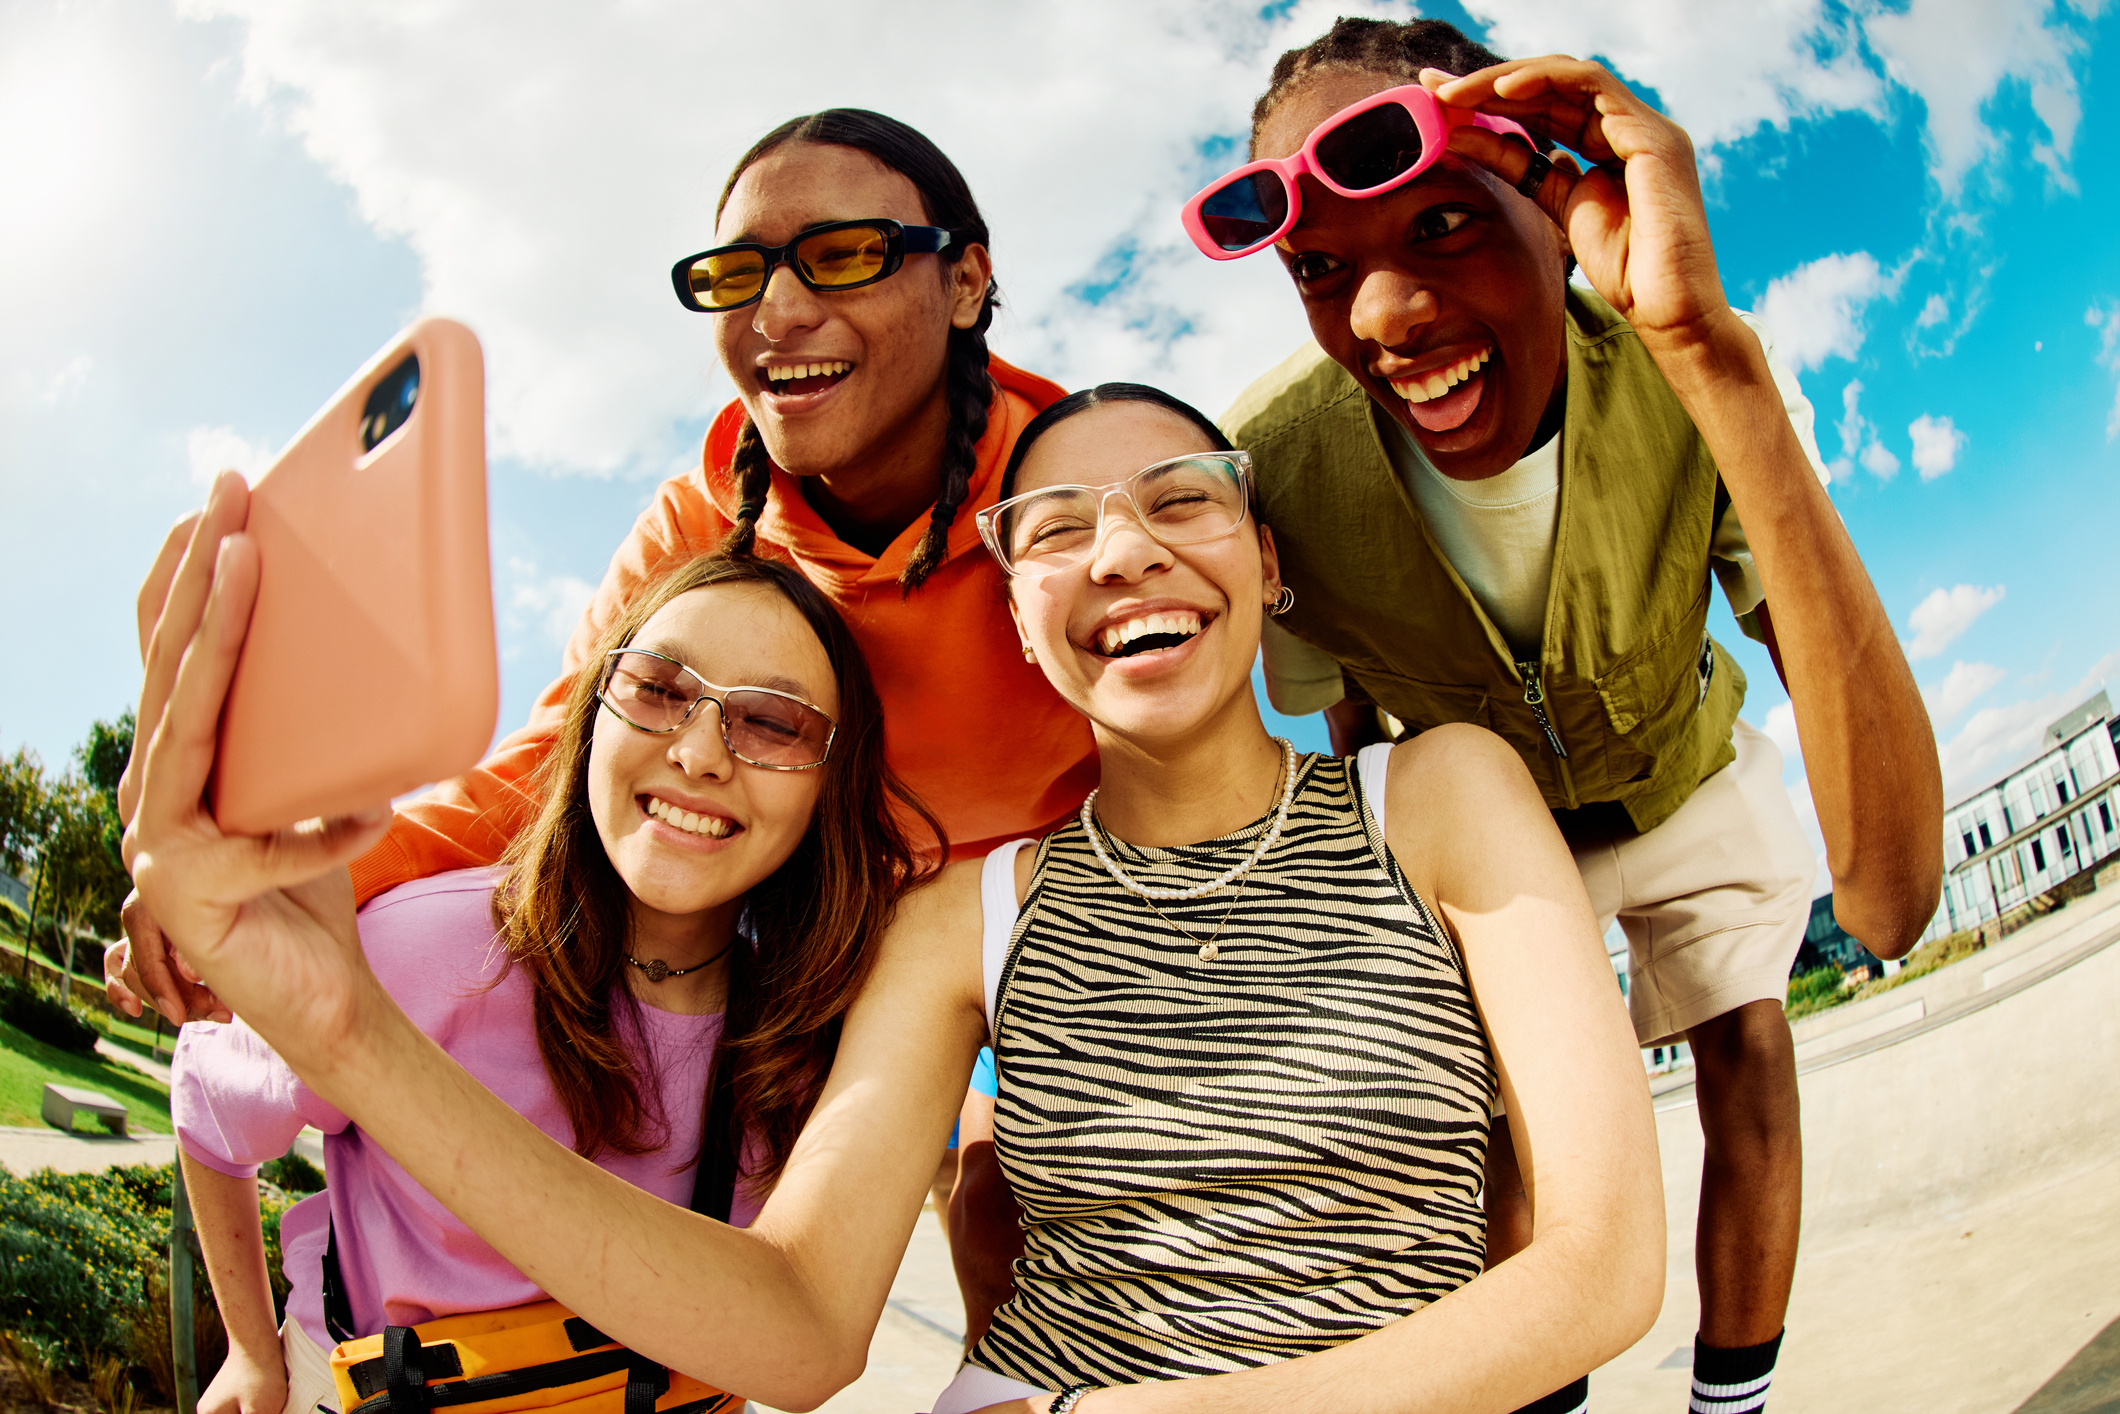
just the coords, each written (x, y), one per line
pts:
(968, 386)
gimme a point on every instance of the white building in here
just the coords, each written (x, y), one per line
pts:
(2051, 818)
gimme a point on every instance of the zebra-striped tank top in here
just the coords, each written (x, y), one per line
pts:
(1224, 1164)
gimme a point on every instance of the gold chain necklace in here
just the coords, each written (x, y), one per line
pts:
(1208, 951)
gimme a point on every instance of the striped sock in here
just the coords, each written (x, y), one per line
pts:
(1570, 1399)
(1732, 1381)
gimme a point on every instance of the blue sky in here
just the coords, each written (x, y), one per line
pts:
(217, 211)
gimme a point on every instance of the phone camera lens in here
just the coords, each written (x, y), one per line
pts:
(390, 403)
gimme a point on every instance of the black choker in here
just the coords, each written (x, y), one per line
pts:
(656, 969)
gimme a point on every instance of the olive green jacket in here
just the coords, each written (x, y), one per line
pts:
(1630, 701)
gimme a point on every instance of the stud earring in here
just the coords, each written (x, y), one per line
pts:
(1282, 602)
(1030, 654)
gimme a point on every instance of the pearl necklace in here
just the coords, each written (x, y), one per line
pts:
(1266, 842)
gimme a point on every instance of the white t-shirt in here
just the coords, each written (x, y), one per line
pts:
(1498, 535)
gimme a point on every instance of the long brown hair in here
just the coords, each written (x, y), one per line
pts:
(563, 912)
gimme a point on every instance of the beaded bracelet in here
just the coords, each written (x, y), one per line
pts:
(1065, 1401)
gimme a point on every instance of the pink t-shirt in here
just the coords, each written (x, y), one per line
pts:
(405, 1257)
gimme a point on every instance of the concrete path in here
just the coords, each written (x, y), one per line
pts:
(1961, 1201)
(24, 1150)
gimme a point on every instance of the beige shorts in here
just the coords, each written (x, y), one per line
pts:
(1714, 901)
(310, 1388)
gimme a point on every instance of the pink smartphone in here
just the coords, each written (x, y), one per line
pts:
(369, 669)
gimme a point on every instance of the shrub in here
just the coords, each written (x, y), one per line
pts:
(1814, 990)
(74, 1256)
(293, 1174)
(41, 1014)
(84, 1276)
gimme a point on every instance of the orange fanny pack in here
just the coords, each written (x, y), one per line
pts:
(539, 1356)
(535, 1357)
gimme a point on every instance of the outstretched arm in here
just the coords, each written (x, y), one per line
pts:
(1637, 225)
(782, 1311)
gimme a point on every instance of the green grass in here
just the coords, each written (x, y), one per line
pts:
(139, 1035)
(27, 1065)
(134, 1035)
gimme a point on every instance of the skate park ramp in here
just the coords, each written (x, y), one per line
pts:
(1961, 1193)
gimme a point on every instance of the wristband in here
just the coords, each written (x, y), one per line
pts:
(1067, 1399)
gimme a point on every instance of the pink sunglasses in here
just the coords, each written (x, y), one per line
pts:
(1366, 149)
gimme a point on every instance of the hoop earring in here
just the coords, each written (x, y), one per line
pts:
(1283, 602)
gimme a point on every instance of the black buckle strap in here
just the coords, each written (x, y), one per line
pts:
(646, 1382)
(338, 1311)
(404, 1373)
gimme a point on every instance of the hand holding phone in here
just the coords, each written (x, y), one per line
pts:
(368, 669)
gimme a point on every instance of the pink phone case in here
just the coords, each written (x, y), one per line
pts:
(369, 669)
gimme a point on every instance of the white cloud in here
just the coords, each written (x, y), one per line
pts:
(1853, 427)
(1996, 739)
(1945, 614)
(2105, 318)
(1955, 55)
(1816, 310)
(1933, 313)
(1965, 684)
(1780, 728)
(1879, 460)
(1772, 62)
(67, 381)
(546, 170)
(1754, 64)
(554, 603)
(1937, 443)
(212, 450)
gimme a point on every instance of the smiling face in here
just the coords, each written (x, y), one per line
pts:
(689, 828)
(1444, 298)
(1146, 640)
(831, 379)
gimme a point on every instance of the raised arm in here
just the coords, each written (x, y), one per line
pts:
(457, 824)
(1637, 225)
(782, 1311)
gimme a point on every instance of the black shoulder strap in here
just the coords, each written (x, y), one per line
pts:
(338, 1311)
(714, 1179)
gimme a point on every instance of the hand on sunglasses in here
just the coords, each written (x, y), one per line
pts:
(1635, 220)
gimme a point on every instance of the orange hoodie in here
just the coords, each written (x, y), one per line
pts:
(975, 730)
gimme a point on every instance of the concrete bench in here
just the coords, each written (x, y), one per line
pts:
(63, 1102)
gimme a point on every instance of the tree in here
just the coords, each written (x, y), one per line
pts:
(25, 809)
(85, 878)
(104, 754)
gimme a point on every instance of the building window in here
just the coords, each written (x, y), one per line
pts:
(2061, 790)
(1985, 841)
(2068, 846)
(2105, 817)
(2038, 857)
(1970, 851)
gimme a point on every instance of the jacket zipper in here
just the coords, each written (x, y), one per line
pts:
(1535, 699)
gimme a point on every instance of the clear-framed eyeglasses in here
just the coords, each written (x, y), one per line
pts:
(761, 726)
(1178, 501)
